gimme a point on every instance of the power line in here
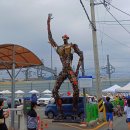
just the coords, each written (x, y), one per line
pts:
(101, 40)
(108, 21)
(94, 28)
(114, 39)
(112, 24)
(118, 9)
(118, 23)
(126, 20)
(117, 20)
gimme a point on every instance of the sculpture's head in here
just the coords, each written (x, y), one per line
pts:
(65, 38)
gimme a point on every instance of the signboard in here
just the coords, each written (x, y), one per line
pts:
(85, 81)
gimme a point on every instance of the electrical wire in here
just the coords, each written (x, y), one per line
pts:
(117, 20)
(93, 26)
(126, 20)
(112, 24)
(101, 31)
(121, 43)
(107, 21)
(101, 38)
(118, 9)
(120, 25)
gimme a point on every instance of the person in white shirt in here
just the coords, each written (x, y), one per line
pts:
(127, 111)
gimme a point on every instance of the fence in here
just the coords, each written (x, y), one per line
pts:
(66, 86)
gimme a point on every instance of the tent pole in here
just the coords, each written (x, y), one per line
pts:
(13, 89)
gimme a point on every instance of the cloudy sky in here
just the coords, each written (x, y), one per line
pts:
(23, 22)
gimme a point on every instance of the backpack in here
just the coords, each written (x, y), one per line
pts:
(31, 120)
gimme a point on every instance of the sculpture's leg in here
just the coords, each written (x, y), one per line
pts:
(74, 82)
(62, 76)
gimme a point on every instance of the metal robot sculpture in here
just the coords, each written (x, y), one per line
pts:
(65, 53)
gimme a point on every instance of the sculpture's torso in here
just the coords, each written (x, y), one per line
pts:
(66, 54)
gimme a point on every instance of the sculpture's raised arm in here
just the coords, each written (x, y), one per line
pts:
(51, 40)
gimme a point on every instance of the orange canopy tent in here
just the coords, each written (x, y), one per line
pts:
(22, 57)
(15, 56)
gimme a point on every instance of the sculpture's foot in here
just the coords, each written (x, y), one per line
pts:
(59, 117)
(75, 110)
(75, 117)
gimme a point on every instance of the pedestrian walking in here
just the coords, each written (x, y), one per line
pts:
(121, 102)
(127, 111)
(125, 101)
(34, 98)
(109, 113)
(32, 117)
(3, 115)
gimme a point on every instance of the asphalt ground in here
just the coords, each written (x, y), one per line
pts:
(50, 124)
(59, 125)
(118, 123)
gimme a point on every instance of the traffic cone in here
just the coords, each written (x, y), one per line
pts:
(39, 122)
(84, 124)
(46, 125)
(42, 125)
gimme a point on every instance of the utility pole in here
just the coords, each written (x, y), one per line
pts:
(108, 69)
(84, 91)
(83, 71)
(95, 50)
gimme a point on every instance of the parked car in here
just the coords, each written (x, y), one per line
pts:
(67, 105)
(44, 100)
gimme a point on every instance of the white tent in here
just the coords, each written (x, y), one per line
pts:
(33, 91)
(124, 89)
(111, 89)
(19, 92)
(6, 92)
(47, 91)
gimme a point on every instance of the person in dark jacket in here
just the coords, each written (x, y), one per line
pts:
(34, 98)
(109, 113)
(3, 115)
(32, 117)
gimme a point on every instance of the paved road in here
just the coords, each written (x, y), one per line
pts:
(52, 125)
(58, 126)
(119, 124)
